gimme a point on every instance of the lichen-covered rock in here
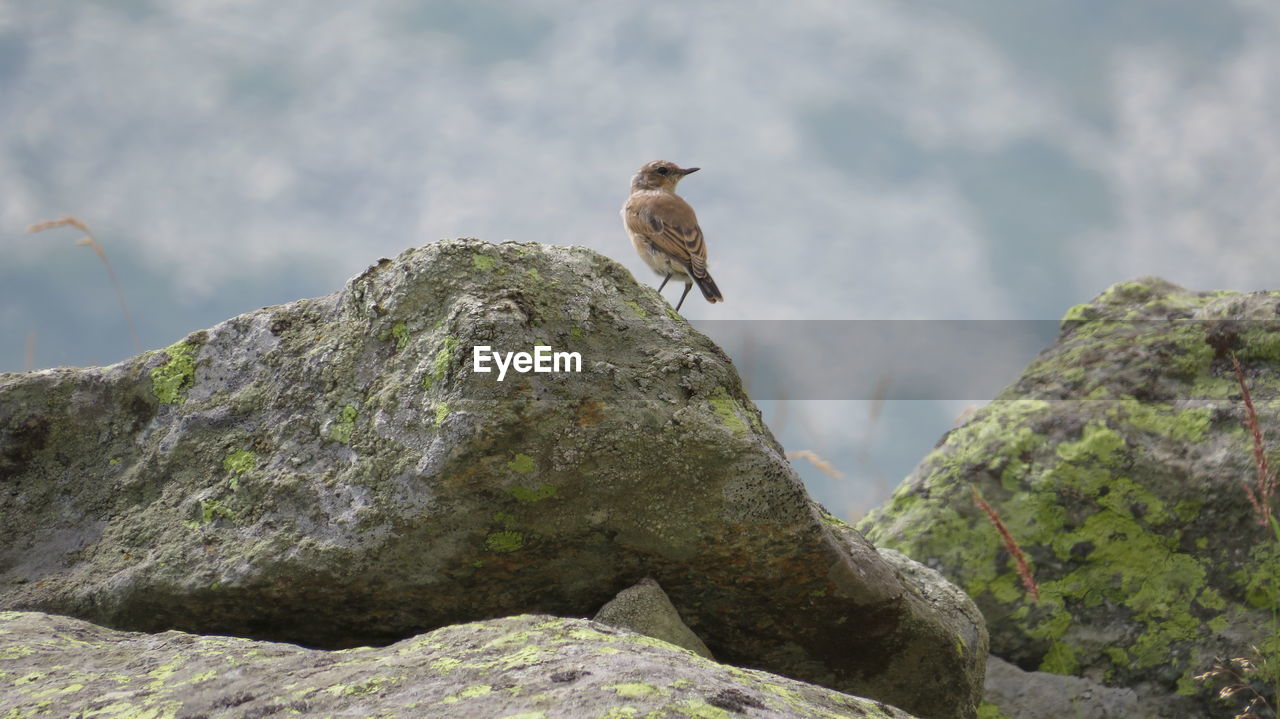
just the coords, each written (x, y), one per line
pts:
(335, 472)
(646, 609)
(1118, 463)
(527, 667)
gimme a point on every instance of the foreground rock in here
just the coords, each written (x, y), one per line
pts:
(335, 472)
(527, 666)
(1119, 463)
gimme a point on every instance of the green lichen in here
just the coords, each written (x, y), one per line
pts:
(1113, 539)
(470, 692)
(1125, 293)
(400, 332)
(1258, 578)
(726, 408)
(634, 690)
(1187, 425)
(171, 380)
(442, 411)
(1260, 345)
(440, 364)
(1060, 659)
(522, 464)
(341, 430)
(376, 685)
(482, 262)
(1098, 444)
(529, 495)
(832, 520)
(532, 274)
(524, 657)
(1078, 313)
(210, 510)
(1127, 562)
(700, 709)
(990, 711)
(240, 461)
(1194, 354)
(635, 307)
(445, 665)
(18, 651)
(504, 541)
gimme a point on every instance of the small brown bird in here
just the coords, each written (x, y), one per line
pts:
(664, 229)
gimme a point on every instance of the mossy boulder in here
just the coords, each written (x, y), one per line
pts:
(335, 472)
(523, 667)
(1118, 463)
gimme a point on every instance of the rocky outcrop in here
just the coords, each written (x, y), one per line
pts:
(526, 666)
(1118, 463)
(646, 609)
(337, 472)
(1041, 695)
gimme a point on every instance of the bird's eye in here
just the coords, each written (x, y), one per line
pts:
(664, 171)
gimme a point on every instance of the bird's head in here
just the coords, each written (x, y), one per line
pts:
(660, 175)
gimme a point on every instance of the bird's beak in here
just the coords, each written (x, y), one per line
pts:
(689, 170)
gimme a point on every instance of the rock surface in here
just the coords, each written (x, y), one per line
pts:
(1040, 695)
(1118, 462)
(646, 609)
(525, 667)
(335, 472)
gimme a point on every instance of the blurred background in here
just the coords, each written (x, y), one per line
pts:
(862, 160)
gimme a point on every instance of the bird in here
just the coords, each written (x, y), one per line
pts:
(664, 229)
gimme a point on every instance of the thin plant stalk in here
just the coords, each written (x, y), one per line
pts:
(90, 241)
(1264, 485)
(813, 458)
(1024, 570)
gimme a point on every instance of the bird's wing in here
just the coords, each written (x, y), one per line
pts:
(670, 223)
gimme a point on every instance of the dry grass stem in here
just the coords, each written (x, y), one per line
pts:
(1236, 673)
(1024, 570)
(965, 415)
(67, 221)
(875, 413)
(823, 465)
(1264, 485)
(878, 396)
(90, 241)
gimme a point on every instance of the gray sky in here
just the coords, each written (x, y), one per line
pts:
(862, 159)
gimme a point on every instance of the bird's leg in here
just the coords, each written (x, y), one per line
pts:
(686, 294)
(664, 282)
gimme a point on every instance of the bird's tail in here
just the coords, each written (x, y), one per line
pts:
(709, 289)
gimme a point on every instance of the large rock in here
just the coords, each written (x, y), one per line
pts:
(527, 667)
(1118, 463)
(333, 472)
